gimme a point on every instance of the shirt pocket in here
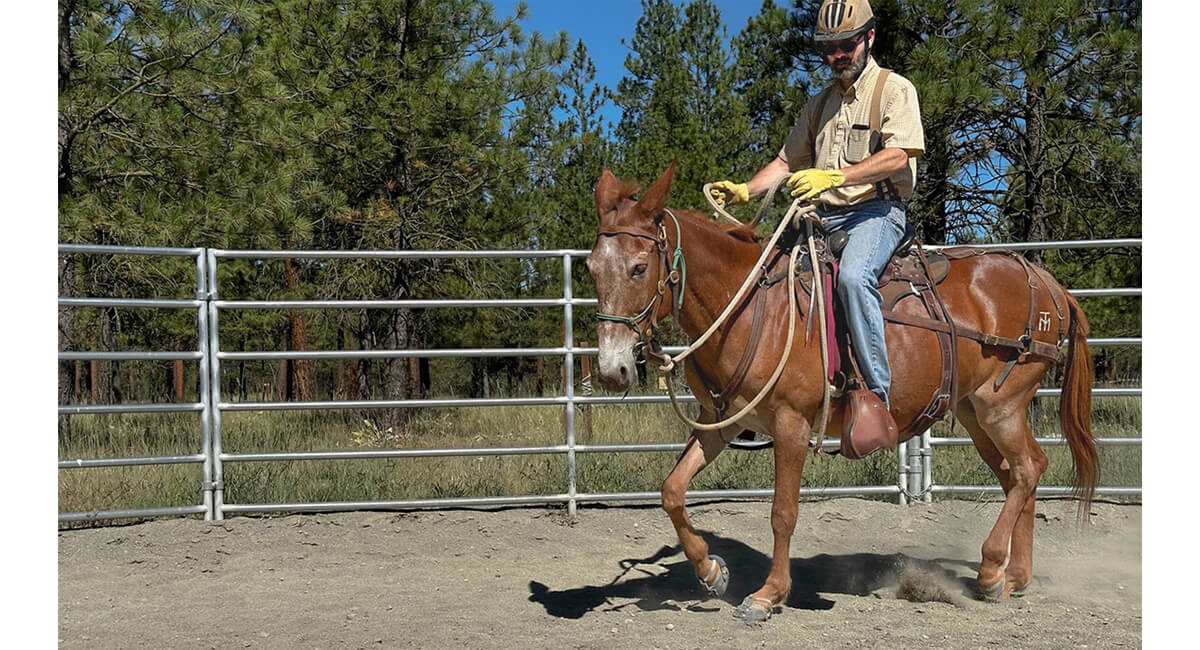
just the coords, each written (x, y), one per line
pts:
(858, 145)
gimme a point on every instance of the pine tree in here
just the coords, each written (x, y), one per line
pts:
(678, 100)
(768, 81)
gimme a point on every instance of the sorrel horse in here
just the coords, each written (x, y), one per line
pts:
(631, 263)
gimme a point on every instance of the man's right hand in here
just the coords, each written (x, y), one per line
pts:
(730, 193)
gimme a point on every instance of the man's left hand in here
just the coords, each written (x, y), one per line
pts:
(808, 183)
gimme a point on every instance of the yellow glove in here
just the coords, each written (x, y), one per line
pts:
(808, 183)
(729, 193)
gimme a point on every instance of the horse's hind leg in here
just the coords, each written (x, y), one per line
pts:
(702, 447)
(1001, 433)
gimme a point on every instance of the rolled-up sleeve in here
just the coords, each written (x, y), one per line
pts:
(901, 120)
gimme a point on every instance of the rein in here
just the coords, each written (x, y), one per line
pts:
(677, 275)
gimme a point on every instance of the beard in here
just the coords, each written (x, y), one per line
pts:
(849, 70)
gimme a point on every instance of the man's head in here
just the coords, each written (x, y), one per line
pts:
(844, 36)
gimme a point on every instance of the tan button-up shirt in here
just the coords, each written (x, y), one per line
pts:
(843, 137)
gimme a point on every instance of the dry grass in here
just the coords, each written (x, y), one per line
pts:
(419, 478)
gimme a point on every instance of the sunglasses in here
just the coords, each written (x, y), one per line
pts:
(847, 46)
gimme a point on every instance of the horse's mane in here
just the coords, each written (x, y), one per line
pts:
(629, 189)
(740, 232)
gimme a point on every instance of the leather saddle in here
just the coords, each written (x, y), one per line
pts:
(911, 271)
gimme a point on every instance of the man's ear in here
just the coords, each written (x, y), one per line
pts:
(606, 193)
(651, 205)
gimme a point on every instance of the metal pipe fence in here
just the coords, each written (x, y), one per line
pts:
(914, 478)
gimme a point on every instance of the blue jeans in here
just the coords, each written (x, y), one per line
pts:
(875, 228)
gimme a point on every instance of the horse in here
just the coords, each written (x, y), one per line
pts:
(637, 280)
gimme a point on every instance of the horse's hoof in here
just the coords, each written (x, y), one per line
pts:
(717, 580)
(993, 593)
(754, 610)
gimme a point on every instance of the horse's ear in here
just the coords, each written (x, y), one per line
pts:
(655, 199)
(607, 193)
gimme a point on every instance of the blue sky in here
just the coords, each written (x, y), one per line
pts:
(602, 25)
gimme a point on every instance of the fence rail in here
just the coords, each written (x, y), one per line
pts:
(914, 458)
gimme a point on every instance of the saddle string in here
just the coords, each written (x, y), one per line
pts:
(818, 295)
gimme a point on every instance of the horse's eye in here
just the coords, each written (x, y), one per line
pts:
(639, 270)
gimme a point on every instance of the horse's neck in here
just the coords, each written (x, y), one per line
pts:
(717, 265)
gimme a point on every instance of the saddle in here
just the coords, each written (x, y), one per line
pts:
(867, 426)
(911, 271)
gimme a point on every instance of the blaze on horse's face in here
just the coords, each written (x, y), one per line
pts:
(627, 268)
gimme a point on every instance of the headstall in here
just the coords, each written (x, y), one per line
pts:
(675, 281)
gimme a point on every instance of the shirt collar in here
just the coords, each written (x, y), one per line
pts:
(867, 76)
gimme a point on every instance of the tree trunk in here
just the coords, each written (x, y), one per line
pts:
(397, 376)
(284, 378)
(418, 367)
(105, 377)
(937, 178)
(68, 387)
(362, 387)
(1035, 184)
(93, 381)
(1034, 222)
(304, 382)
(177, 383)
(66, 61)
(339, 381)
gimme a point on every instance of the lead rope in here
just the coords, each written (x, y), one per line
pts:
(795, 212)
(787, 349)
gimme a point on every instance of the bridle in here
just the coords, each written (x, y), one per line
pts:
(675, 282)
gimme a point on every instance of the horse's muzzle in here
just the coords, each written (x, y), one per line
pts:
(618, 363)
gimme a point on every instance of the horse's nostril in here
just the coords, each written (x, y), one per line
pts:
(623, 372)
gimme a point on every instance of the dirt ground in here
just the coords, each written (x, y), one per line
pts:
(866, 574)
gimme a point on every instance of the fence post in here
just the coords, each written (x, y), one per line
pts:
(569, 380)
(927, 465)
(902, 470)
(206, 477)
(217, 484)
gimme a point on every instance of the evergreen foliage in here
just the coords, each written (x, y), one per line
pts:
(411, 125)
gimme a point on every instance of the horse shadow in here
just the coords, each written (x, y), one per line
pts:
(673, 585)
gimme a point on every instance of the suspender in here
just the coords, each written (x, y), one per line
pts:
(884, 189)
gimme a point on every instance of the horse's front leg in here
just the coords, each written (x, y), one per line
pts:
(791, 449)
(702, 447)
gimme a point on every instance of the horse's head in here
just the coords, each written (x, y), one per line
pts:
(630, 266)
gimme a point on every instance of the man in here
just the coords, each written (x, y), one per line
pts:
(857, 178)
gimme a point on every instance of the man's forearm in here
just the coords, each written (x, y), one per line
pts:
(761, 182)
(879, 166)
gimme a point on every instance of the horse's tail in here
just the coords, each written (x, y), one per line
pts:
(1075, 408)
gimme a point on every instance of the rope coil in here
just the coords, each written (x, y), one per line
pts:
(794, 214)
